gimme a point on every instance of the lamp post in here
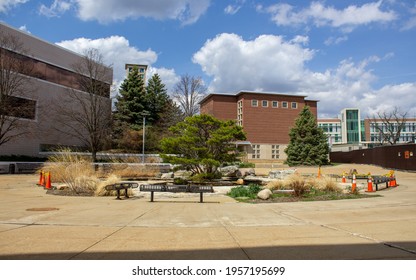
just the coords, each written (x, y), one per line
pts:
(144, 114)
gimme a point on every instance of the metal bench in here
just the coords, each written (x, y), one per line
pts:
(381, 180)
(177, 188)
(122, 186)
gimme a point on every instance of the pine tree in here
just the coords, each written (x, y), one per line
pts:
(308, 144)
(131, 102)
(156, 98)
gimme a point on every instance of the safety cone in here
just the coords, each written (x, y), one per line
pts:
(48, 181)
(354, 184)
(370, 184)
(319, 172)
(393, 181)
(41, 179)
(344, 180)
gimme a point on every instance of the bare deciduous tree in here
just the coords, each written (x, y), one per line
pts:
(86, 112)
(15, 87)
(188, 92)
(388, 125)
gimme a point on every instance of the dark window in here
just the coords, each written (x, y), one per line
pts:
(19, 107)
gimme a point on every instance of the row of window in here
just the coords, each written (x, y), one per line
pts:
(274, 104)
(256, 152)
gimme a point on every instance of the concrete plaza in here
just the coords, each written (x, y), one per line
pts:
(36, 225)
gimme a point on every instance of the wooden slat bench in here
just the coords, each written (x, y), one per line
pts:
(122, 186)
(177, 188)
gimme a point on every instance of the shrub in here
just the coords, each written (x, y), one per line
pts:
(180, 181)
(298, 184)
(331, 186)
(242, 191)
(246, 165)
(203, 177)
(276, 185)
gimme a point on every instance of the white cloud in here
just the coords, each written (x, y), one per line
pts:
(233, 9)
(24, 28)
(104, 11)
(321, 15)
(270, 63)
(117, 52)
(6, 5)
(57, 8)
(335, 40)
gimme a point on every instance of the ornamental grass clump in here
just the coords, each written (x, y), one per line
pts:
(298, 184)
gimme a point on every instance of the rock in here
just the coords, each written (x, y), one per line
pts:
(264, 194)
(182, 174)
(229, 171)
(281, 174)
(168, 175)
(240, 182)
(247, 171)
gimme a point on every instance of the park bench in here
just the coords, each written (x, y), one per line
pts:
(176, 189)
(381, 180)
(122, 186)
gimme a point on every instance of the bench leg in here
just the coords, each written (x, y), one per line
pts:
(125, 193)
(118, 194)
(201, 198)
(151, 196)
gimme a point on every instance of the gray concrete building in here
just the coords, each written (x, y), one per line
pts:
(49, 83)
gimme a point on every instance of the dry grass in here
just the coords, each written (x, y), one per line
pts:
(79, 175)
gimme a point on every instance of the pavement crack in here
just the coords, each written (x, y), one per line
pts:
(113, 233)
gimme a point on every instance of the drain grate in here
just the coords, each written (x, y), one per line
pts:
(43, 209)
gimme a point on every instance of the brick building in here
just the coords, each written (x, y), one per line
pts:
(265, 117)
(52, 77)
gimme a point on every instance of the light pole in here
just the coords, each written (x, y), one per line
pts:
(144, 114)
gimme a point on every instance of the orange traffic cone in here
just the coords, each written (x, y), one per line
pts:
(41, 179)
(48, 181)
(343, 178)
(354, 184)
(319, 172)
(393, 182)
(370, 184)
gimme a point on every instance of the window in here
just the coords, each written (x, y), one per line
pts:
(275, 104)
(20, 107)
(284, 104)
(294, 105)
(254, 103)
(256, 151)
(275, 152)
(240, 113)
(265, 103)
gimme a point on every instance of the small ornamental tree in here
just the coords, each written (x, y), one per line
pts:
(308, 144)
(201, 143)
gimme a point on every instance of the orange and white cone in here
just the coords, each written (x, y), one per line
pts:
(343, 178)
(370, 184)
(48, 181)
(354, 184)
(41, 179)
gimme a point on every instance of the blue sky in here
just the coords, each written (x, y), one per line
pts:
(344, 53)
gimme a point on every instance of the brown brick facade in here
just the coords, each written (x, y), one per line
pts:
(267, 124)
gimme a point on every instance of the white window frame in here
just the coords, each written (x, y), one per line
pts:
(256, 103)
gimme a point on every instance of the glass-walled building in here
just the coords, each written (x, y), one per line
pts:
(351, 126)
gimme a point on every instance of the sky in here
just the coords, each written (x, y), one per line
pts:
(346, 54)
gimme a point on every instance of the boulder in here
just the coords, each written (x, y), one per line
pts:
(168, 175)
(264, 194)
(240, 182)
(281, 174)
(229, 171)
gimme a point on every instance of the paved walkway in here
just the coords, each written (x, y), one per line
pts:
(35, 225)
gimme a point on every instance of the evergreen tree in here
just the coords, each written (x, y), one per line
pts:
(202, 143)
(131, 102)
(156, 99)
(308, 144)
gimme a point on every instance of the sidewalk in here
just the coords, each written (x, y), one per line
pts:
(34, 225)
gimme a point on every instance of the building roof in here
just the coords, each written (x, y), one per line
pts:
(250, 92)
